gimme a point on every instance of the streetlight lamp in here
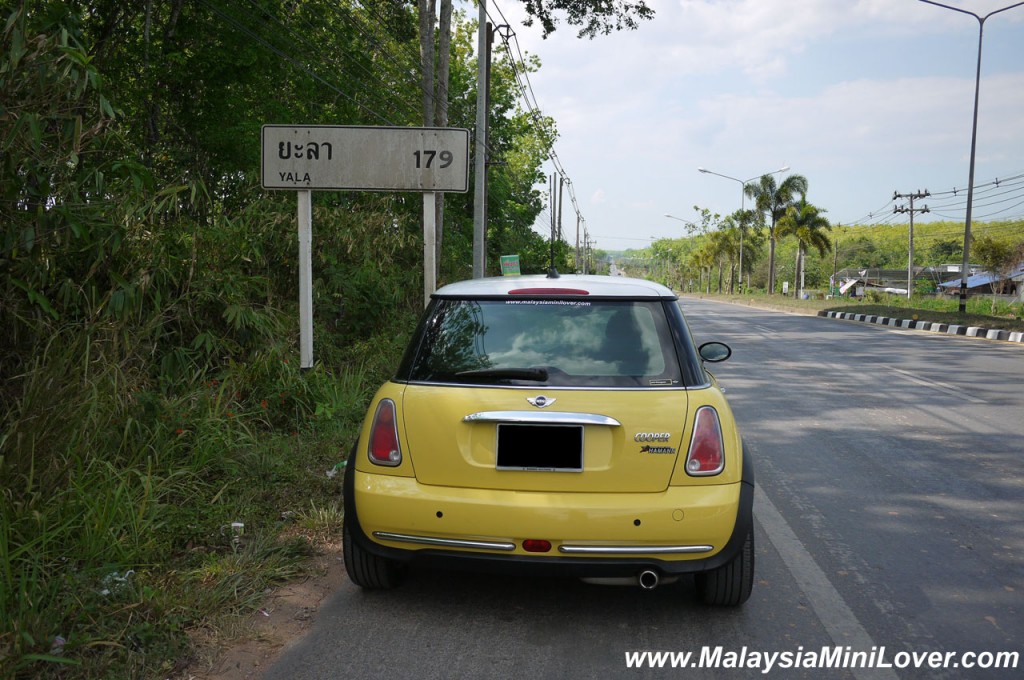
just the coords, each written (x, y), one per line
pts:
(743, 194)
(974, 141)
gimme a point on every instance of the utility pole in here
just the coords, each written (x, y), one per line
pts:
(904, 209)
(578, 220)
(586, 251)
(835, 268)
(965, 272)
(483, 51)
(561, 195)
(552, 203)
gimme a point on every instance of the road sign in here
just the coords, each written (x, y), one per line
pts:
(341, 157)
(509, 265)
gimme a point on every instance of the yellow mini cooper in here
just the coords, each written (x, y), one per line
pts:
(553, 426)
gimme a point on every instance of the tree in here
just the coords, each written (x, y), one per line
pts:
(773, 199)
(725, 247)
(435, 86)
(593, 18)
(749, 241)
(701, 259)
(999, 258)
(805, 221)
(861, 252)
(519, 142)
(436, 52)
(70, 192)
(946, 250)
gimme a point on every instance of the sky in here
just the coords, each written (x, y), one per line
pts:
(864, 98)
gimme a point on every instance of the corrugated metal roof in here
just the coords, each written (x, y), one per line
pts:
(983, 279)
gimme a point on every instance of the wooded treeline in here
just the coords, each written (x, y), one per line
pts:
(130, 137)
(710, 257)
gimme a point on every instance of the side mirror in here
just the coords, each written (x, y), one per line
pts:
(714, 351)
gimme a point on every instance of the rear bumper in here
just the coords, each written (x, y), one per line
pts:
(681, 530)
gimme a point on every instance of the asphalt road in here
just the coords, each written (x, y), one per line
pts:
(889, 517)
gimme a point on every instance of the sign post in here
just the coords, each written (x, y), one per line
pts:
(357, 158)
(429, 243)
(305, 217)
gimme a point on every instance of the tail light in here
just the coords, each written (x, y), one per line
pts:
(384, 448)
(707, 451)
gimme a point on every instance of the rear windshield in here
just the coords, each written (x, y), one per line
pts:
(601, 343)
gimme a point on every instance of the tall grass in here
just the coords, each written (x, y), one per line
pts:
(976, 305)
(117, 494)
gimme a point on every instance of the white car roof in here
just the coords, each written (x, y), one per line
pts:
(569, 285)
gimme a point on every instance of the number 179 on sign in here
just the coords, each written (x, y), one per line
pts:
(425, 159)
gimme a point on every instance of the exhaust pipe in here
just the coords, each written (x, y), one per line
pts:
(648, 579)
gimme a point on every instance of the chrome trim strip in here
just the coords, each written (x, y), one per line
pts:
(445, 542)
(542, 418)
(552, 388)
(634, 549)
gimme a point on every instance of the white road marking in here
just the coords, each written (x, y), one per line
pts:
(833, 612)
(937, 386)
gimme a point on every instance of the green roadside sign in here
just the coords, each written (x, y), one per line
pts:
(510, 265)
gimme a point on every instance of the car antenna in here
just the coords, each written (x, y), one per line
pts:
(552, 272)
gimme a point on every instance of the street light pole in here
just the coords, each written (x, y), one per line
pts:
(974, 142)
(743, 195)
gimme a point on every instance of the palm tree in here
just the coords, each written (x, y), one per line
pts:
(721, 248)
(774, 199)
(805, 221)
(726, 243)
(747, 224)
(700, 259)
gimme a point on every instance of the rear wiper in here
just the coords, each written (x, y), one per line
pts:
(537, 374)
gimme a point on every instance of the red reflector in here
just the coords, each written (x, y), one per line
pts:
(536, 545)
(707, 452)
(384, 448)
(548, 291)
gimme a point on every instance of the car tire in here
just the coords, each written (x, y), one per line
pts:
(366, 570)
(730, 584)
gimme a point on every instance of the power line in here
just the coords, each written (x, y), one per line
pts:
(529, 97)
(997, 192)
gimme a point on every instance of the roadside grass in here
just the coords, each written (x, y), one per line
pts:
(981, 312)
(133, 515)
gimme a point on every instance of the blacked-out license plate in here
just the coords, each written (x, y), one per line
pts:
(556, 448)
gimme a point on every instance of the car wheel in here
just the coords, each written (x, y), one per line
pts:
(365, 569)
(730, 584)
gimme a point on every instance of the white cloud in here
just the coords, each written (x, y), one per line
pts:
(862, 97)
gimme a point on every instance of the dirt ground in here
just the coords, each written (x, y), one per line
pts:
(286, 615)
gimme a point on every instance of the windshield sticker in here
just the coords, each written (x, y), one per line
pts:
(561, 303)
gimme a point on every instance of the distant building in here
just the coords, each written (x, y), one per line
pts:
(893, 281)
(984, 283)
(955, 267)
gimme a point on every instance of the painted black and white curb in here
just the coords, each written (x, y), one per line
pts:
(949, 329)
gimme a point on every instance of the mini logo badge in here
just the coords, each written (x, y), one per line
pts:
(540, 401)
